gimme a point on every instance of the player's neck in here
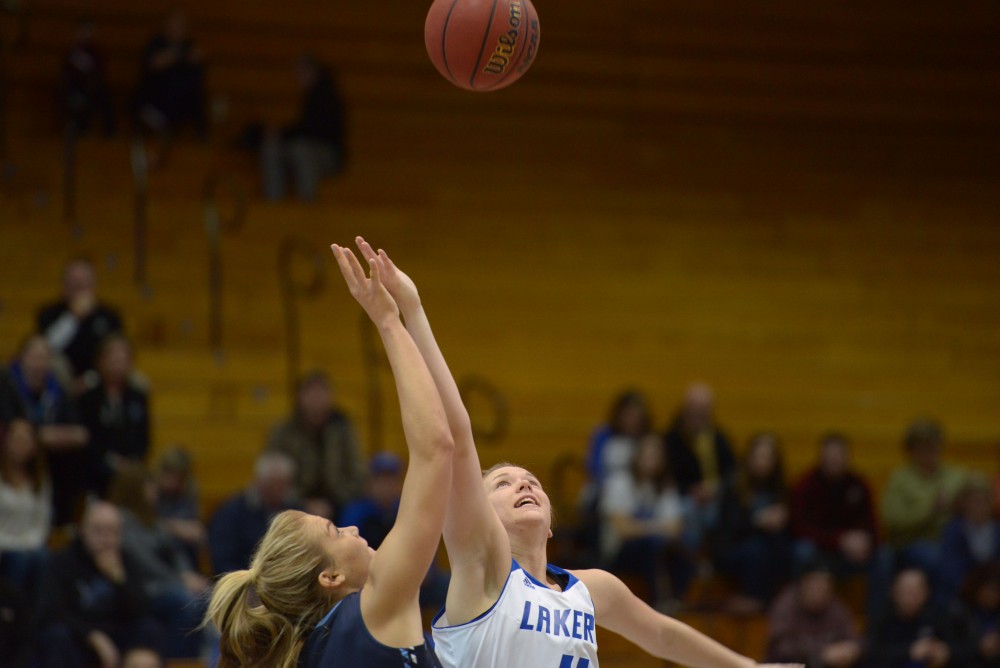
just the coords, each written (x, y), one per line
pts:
(533, 559)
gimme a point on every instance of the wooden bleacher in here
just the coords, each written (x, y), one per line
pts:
(797, 203)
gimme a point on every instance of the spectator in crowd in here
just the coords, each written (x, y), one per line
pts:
(142, 657)
(75, 325)
(15, 628)
(11, 405)
(93, 604)
(981, 594)
(809, 625)
(25, 507)
(644, 522)
(51, 409)
(613, 445)
(242, 520)
(699, 452)
(116, 413)
(752, 543)
(322, 442)
(172, 81)
(170, 581)
(375, 513)
(833, 513)
(313, 146)
(916, 506)
(970, 539)
(84, 93)
(915, 632)
(177, 503)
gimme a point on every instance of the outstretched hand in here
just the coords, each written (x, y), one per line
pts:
(400, 286)
(368, 291)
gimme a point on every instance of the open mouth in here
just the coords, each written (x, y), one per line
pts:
(527, 501)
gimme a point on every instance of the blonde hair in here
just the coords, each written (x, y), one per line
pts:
(265, 613)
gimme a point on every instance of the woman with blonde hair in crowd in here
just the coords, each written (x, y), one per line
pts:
(315, 594)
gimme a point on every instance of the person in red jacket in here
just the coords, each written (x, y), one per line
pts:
(833, 514)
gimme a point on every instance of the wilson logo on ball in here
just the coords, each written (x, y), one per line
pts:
(482, 45)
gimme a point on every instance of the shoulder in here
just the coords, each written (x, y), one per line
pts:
(50, 312)
(606, 589)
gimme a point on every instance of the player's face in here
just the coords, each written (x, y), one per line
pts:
(348, 551)
(518, 497)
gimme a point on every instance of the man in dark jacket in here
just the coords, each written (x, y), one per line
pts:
(93, 605)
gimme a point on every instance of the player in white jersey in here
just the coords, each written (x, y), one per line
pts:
(506, 606)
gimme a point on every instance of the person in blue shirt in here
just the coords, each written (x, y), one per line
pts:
(315, 594)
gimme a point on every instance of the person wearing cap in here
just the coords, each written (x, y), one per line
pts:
(808, 623)
(375, 514)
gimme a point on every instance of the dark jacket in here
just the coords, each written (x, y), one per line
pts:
(82, 348)
(890, 637)
(76, 593)
(684, 462)
(824, 509)
(120, 428)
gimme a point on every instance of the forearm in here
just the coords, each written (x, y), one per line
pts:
(682, 644)
(423, 417)
(419, 328)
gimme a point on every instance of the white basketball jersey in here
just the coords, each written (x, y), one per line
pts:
(530, 626)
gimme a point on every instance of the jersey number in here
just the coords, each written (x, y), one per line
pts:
(567, 662)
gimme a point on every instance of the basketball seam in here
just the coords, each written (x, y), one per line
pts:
(444, 40)
(520, 56)
(482, 49)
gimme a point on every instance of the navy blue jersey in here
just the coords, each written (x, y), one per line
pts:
(341, 640)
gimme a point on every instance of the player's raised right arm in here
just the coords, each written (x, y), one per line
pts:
(477, 544)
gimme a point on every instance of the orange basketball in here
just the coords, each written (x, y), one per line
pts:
(482, 45)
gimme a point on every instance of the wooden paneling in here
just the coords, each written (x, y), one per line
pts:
(795, 203)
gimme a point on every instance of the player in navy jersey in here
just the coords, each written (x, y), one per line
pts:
(315, 595)
(506, 606)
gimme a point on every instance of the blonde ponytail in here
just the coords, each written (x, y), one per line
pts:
(265, 614)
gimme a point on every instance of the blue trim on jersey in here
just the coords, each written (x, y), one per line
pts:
(328, 615)
(514, 566)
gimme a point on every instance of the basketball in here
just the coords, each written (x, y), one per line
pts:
(482, 45)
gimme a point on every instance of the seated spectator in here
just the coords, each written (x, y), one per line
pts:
(51, 409)
(84, 92)
(171, 88)
(981, 594)
(613, 445)
(25, 507)
(322, 442)
(375, 513)
(313, 146)
(116, 413)
(809, 625)
(971, 538)
(170, 581)
(142, 657)
(93, 604)
(15, 628)
(915, 632)
(177, 503)
(242, 520)
(833, 514)
(699, 452)
(751, 542)
(75, 325)
(916, 506)
(644, 521)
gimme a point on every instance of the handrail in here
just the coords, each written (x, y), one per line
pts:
(292, 249)
(216, 185)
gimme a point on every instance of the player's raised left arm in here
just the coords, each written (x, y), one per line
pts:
(622, 612)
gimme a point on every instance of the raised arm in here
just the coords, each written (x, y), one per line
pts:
(477, 543)
(620, 611)
(388, 600)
